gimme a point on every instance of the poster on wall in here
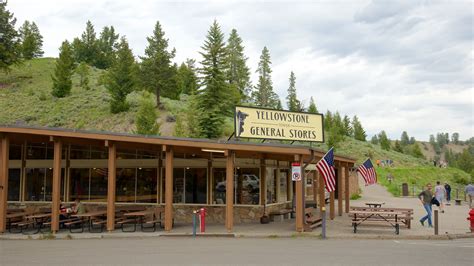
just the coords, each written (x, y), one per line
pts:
(260, 123)
(296, 172)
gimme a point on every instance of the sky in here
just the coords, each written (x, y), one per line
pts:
(397, 65)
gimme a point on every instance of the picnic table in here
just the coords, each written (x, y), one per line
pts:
(88, 217)
(139, 217)
(374, 204)
(376, 217)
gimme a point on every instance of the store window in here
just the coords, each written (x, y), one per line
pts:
(247, 186)
(99, 184)
(15, 152)
(80, 152)
(283, 176)
(79, 184)
(219, 185)
(147, 185)
(271, 185)
(196, 185)
(178, 185)
(14, 184)
(36, 151)
(38, 183)
(126, 184)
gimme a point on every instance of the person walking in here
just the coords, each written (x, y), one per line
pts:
(447, 187)
(440, 195)
(425, 197)
(470, 193)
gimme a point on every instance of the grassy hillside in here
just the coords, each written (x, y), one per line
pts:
(25, 99)
(418, 177)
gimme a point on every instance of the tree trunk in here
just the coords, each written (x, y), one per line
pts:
(157, 97)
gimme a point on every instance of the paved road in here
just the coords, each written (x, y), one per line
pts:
(241, 251)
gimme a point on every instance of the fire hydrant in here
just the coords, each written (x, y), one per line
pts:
(202, 219)
(471, 218)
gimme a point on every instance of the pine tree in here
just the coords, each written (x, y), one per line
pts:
(263, 95)
(237, 72)
(374, 140)
(359, 132)
(398, 147)
(31, 40)
(327, 120)
(10, 52)
(107, 48)
(384, 141)
(312, 106)
(146, 117)
(337, 122)
(83, 71)
(121, 78)
(455, 138)
(335, 137)
(404, 139)
(86, 49)
(63, 71)
(210, 102)
(156, 71)
(348, 131)
(186, 78)
(279, 106)
(293, 103)
(416, 151)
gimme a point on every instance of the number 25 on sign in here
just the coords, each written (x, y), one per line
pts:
(296, 172)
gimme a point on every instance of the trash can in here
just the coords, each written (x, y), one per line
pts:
(405, 190)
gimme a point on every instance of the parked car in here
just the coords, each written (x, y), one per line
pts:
(252, 182)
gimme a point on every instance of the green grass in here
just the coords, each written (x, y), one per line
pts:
(418, 177)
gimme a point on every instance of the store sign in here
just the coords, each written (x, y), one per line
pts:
(260, 123)
(296, 171)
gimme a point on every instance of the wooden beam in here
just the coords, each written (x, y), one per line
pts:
(263, 182)
(340, 174)
(315, 187)
(56, 185)
(346, 188)
(229, 193)
(332, 211)
(322, 193)
(4, 157)
(112, 163)
(299, 198)
(168, 188)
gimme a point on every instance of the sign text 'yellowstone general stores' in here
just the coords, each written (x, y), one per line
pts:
(250, 122)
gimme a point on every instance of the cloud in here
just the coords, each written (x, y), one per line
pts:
(398, 65)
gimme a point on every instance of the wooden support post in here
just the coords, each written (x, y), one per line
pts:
(322, 193)
(315, 187)
(289, 187)
(58, 145)
(299, 198)
(229, 192)
(332, 211)
(340, 174)
(169, 188)
(263, 182)
(346, 189)
(111, 186)
(4, 157)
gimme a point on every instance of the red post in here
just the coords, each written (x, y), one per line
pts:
(202, 219)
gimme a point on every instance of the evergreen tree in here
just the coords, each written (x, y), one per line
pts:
(416, 151)
(186, 78)
(146, 117)
(187, 122)
(210, 103)
(292, 100)
(10, 52)
(359, 132)
(86, 48)
(312, 106)
(334, 136)
(327, 120)
(31, 40)
(279, 106)
(121, 78)
(404, 139)
(384, 141)
(347, 126)
(156, 71)
(375, 140)
(398, 147)
(237, 72)
(263, 95)
(63, 71)
(83, 71)
(412, 140)
(455, 138)
(107, 48)
(337, 122)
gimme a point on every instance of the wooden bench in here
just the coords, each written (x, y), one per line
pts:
(280, 213)
(75, 222)
(311, 221)
(376, 217)
(405, 217)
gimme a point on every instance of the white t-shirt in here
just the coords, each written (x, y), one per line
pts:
(439, 191)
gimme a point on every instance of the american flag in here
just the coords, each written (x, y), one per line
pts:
(326, 169)
(368, 172)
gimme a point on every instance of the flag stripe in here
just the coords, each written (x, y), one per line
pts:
(368, 172)
(325, 167)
